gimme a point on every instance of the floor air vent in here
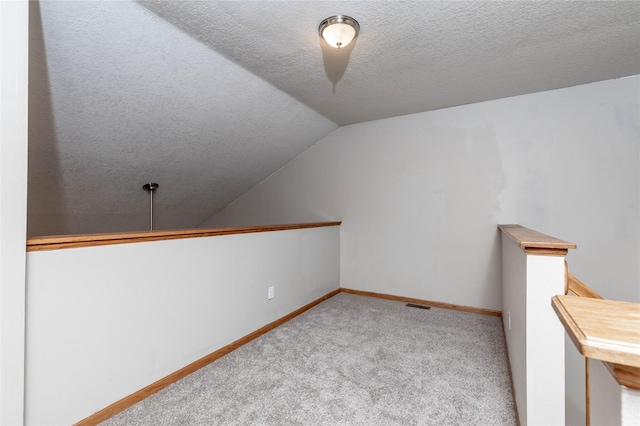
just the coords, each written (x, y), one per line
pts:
(413, 305)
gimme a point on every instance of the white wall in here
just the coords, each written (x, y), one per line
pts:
(534, 335)
(106, 321)
(611, 404)
(514, 318)
(545, 341)
(14, 42)
(420, 195)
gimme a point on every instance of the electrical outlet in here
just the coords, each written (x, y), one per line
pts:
(270, 293)
(509, 319)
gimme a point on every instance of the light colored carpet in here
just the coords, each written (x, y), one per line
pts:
(351, 360)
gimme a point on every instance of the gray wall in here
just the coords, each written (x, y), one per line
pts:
(14, 39)
(420, 196)
(102, 325)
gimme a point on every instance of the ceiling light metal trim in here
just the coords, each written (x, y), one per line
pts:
(338, 20)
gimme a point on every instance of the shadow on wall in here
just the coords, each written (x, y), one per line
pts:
(335, 60)
(494, 270)
(45, 202)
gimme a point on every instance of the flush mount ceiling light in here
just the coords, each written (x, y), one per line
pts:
(339, 30)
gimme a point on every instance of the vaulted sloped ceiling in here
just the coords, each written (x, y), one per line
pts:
(119, 97)
(208, 98)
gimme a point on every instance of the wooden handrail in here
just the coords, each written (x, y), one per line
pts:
(622, 322)
(88, 240)
(577, 287)
(601, 329)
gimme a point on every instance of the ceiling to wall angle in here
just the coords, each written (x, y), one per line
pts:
(208, 98)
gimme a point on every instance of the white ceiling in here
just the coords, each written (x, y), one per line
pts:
(209, 98)
(417, 56)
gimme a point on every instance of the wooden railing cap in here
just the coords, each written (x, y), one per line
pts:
(70, 241)
(535, 242)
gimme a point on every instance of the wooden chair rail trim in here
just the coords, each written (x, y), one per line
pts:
(602, 329)
(529, 239)
(89, 240)
(143, 393)
(424, 302)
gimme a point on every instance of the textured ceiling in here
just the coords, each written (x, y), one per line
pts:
(119, 98)
(416, 56)
(209, 98)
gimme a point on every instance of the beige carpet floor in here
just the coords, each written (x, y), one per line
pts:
(351, 360)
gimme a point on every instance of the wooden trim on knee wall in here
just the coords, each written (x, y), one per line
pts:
(143, 393)
(424, 302)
